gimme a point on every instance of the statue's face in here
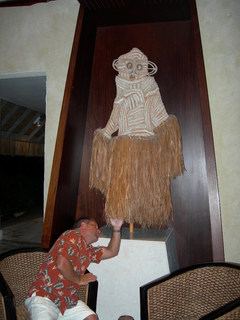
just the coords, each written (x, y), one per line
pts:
(133, 65)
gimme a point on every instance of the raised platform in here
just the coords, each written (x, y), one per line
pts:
(145, 255)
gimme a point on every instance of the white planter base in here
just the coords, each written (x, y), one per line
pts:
(144, 256)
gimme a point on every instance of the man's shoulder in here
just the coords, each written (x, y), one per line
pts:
(68, 235)
(71, 231)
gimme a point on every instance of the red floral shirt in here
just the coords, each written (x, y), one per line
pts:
(51, 283)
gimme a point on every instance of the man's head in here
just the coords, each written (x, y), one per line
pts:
(88, 227)
(81, 220)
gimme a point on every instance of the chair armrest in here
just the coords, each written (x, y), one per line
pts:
(92, 295)
(222, 310)
(7, 299)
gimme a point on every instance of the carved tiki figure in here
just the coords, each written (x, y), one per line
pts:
(134, 168)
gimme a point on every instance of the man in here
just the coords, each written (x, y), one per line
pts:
(54, 293)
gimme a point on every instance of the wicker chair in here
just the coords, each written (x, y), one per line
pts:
(206, 291)
(18, 269)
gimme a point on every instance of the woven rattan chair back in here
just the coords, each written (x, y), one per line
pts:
(19, 269)
(192, 294)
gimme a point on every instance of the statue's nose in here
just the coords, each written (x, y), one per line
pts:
(133, 74)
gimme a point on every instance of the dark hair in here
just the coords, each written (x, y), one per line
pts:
(81, 220)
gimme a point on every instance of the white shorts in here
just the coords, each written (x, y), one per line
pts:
(43, 308)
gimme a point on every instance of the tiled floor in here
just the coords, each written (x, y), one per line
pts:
(22, 231)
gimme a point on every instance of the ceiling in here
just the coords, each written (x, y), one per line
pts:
(22, 110)
(26, 91)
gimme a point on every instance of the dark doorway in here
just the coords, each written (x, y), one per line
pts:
(22, 123)
(21, 205)
(21, 186)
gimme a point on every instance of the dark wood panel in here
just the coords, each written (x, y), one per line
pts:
(142, 14)
(20, 3)
(67, 191)
(176, 48)
(170, 46)
(63, 188)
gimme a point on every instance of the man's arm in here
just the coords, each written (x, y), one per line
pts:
(113, 247)
(66, 269)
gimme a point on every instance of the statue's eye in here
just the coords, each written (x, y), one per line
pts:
(139, 67)
(129, 65)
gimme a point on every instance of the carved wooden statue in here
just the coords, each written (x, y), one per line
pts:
(134, 168)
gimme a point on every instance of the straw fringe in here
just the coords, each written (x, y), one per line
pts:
(134, 173)
(99, 167)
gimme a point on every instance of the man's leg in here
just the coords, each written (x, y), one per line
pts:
(80, 312)
(41, 308)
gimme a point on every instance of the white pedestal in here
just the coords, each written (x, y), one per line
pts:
(144, 256)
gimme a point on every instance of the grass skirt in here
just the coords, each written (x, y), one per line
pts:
(134, 173)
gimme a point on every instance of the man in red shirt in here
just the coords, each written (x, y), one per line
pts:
(54, 293)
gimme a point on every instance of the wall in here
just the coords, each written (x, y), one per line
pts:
(46, 46)
(220, 33)
(39, 38)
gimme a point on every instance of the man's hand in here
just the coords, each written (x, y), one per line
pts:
(86, 278)
(116, 223)
(113, 247)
